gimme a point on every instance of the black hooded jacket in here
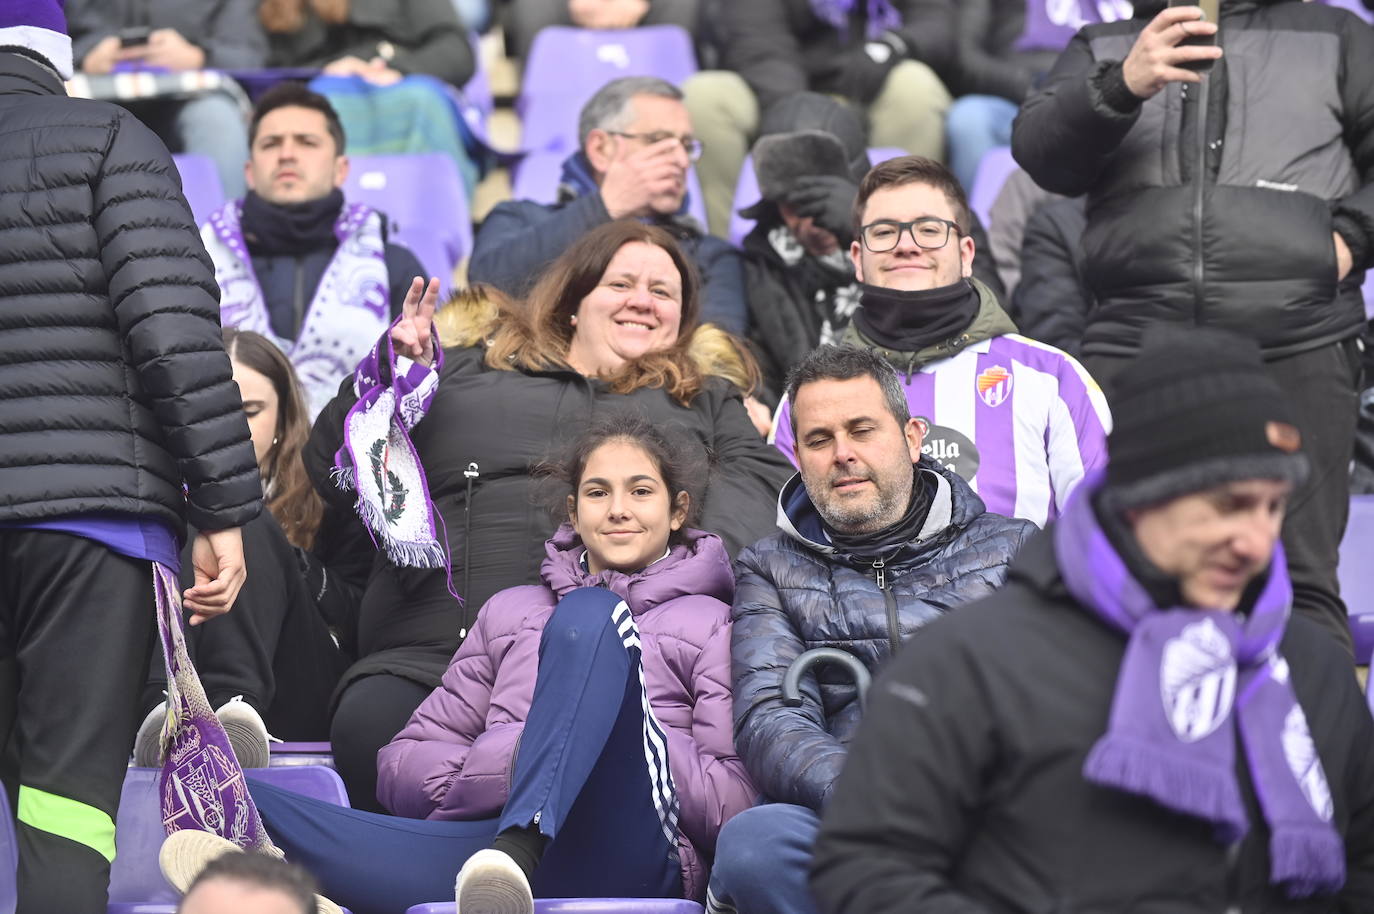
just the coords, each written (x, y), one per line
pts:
(1215, 203)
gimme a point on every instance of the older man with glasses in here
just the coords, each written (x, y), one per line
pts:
(1020, 421)
(636, 148)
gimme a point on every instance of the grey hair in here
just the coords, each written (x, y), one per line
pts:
(844, 363)
(609, 108)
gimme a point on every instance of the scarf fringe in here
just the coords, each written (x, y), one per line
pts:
(1140, 768)
(428, 554)
(1308, 861)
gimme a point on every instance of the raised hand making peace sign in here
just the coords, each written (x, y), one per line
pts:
(413, 335)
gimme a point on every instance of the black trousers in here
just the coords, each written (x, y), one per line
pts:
(371, 711)
(76, 625)
(273, 648)
(1322, 389)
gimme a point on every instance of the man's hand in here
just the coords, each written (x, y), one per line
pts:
(829, 201)
(646, 181)
(413, 335)
(101, 59)
(1155, 59)
(166, 48)
(217, 558)
(380, 73)
(346, 66)
(607, 14)
(759, 415)
(1345, 262)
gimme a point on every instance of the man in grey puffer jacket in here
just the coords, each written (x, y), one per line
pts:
(874, 542)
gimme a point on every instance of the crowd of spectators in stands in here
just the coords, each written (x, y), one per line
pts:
(589, 570)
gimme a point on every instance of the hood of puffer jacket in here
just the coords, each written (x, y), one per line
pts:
(953, 506)
(467, 318)
(697, 566)
(990, 321)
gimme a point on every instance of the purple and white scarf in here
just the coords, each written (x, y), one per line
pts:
(1189, 680)
(882, 16)
(349, 309)
(202, 786)
(379, 462)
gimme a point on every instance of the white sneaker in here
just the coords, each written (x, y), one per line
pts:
(246, 731)
(148, 742)
(185, 853)
(492, 883)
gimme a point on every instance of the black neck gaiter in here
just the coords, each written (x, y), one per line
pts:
(911, 321)
(884, 541)
(291, 228)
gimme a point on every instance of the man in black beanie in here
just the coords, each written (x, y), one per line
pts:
(1138, 713)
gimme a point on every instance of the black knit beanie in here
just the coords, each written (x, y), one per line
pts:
(1193, 410)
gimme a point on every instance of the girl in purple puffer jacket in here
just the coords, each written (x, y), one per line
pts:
(580, 743)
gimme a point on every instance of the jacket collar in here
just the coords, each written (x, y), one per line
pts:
(21, 75)
(953, 507)
(990, 321)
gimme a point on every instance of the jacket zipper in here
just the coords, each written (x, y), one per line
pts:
(894, 632)
(471, 473)
(1199, 181)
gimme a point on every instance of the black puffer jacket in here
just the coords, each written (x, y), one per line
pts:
(1216, 205)
(506, 422)
(793, 593)
(782, 46)
(114, 385)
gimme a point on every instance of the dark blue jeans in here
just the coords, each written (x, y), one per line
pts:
(763, 856)
(581, 772)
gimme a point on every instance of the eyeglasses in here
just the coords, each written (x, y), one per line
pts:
(928, 232)
(690, 143)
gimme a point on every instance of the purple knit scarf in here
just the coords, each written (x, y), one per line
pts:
(379, 462)
(1190, 677)
(881, 15)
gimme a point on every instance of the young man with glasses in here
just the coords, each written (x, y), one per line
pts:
(636, 148)
(1020, 421)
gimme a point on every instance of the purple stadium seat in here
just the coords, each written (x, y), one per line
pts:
(1357, 575)
(567, 65)
(537, 174)
(200, 183)
(583, 906)
(993, 170)
(1368, 289)
(1355, 6)
(136, 883)
(9, 857)
(747, 190)
(301, 754)
(426, 206)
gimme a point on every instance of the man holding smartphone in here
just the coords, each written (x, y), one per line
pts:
(1230, 184)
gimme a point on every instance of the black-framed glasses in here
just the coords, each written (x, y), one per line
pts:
(929, 232)
(690, 143)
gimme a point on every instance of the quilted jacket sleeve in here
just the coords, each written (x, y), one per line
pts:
(166, 303)
(710, 778)
(787, 751)
(1354, 215)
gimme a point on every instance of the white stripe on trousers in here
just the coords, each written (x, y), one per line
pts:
(655, 742)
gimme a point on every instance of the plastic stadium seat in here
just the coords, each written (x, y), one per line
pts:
(567, 65)
(536, 178)
(136, 883)
(301, 754)
(583, 906)
(1355, 6)
(1357, 575)
(200, 183)
(425, 204)
(747, 190)
(993, 170)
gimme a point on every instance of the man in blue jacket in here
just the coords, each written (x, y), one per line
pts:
(637, 146)
(874, 542)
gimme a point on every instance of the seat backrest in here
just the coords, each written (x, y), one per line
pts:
(747, 190)
(1356, 574)
(566, 67)
(1049, 24)
(301, 754)
(425, 204)
(992, 173)
(201, 185)
(134, 875)
(584, 906)
(1355, 6)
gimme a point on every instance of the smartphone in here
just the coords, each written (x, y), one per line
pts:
(133, 37)
(1211, 12)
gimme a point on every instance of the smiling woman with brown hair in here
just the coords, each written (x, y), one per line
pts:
(609, 327)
